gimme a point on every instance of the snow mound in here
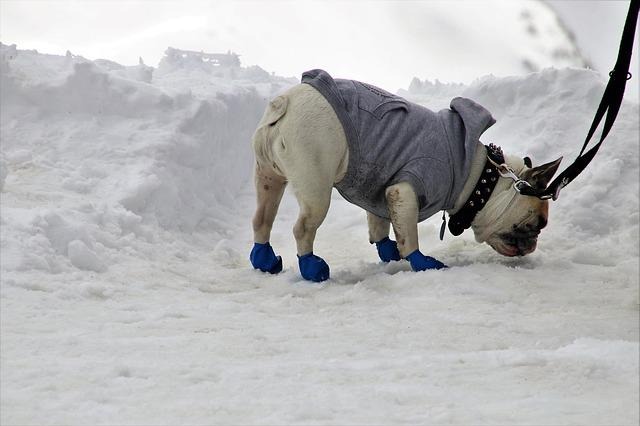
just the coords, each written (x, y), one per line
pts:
(203, 73)
(114, 151)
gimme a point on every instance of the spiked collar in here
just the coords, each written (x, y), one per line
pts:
(481, 192)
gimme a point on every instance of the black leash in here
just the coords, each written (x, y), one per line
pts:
(610, 103)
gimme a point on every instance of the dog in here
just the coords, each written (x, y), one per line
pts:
(399, 161)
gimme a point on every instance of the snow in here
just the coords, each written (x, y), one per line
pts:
(127, 297)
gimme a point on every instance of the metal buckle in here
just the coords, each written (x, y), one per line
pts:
(520, 185)
(506, 171)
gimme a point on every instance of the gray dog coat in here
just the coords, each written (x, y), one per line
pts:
(392, 140)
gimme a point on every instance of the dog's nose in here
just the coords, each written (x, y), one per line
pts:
(526, 246)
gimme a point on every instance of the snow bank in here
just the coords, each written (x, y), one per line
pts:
(121, 149)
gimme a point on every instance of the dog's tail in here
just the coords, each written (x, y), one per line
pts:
(267, 132)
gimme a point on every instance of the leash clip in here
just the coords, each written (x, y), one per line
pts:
(507, 172)
(520, 185)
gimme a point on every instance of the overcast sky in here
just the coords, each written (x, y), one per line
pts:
(124, 30)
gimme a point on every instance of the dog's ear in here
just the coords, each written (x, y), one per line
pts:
(540, 176)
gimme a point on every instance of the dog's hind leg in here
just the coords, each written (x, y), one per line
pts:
(379, 234)
(311, 172)
(314, 197)
(403, 209)
(269, 190)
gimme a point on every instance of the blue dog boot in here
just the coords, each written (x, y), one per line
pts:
(313, 268)
(420, 262)
(388, 250)
(262, 257)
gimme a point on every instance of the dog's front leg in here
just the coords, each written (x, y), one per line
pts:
(403, 209)
(378, 227)
(379, 234)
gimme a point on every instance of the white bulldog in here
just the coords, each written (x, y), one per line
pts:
(301, 141)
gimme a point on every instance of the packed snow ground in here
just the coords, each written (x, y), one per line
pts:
(127, 296)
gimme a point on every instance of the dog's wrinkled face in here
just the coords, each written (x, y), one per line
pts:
(510, 223)
(522, 238)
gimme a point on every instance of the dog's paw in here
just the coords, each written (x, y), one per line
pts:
(262, 257)
(388, 250)
(313, 268)
(420, 262)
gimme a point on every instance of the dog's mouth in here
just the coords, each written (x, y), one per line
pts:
(516, 243)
